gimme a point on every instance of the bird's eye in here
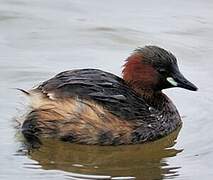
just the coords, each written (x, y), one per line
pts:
(162, 71)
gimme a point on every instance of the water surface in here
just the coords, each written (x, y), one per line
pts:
(40, 38)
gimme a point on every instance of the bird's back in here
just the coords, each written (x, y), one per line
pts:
(99, 86)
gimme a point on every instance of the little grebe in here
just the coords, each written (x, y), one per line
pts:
(90, 106)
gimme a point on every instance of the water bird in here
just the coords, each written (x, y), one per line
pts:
(91, 106)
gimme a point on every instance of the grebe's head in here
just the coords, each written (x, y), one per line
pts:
(154, 68)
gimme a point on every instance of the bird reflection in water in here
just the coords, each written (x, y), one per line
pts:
(143, 161)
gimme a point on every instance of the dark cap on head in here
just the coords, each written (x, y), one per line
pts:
(157, 56)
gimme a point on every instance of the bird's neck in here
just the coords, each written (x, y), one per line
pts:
(156, 99)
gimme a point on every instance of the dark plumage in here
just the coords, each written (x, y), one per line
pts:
(102, 87)
(91, 106)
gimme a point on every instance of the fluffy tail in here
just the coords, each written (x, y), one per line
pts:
(29, 127)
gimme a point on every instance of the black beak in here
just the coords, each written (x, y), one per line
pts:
(182, 82)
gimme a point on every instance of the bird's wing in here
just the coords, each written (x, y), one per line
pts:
(102, 87)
